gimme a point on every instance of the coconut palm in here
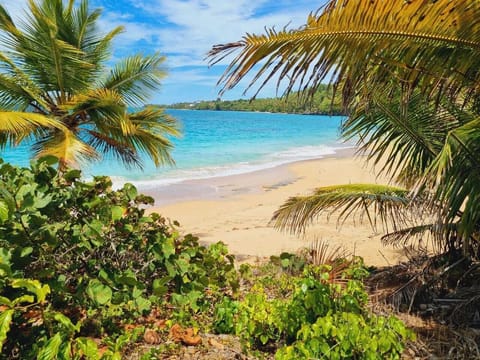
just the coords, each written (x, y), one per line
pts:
(409, 76)
(57, 91)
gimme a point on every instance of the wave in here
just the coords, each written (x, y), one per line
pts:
(267, 162)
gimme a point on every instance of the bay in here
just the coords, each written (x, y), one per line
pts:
(220, 143)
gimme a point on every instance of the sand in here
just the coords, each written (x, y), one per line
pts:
(237, 209)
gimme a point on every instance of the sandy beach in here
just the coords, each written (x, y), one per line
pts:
(237, 209)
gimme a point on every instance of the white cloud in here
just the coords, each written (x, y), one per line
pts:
(188, 29)
(185, 30)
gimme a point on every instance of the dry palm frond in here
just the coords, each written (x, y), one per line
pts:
(322, 253)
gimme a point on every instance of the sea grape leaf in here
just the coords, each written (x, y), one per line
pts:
(26, 251)
(168, 248)
(41, 202)
(5, 301)
(143, 304)
(24, 299)
(3, 212)
(5, 321)
(130, 190)
(160, 286)
(117, 212)
(48, 159)
(98, 292)
(72, 175)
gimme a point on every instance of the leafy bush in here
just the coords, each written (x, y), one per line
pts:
(319, 318)
(79, 259)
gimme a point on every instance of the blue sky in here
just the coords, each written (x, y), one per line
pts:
(184, 31)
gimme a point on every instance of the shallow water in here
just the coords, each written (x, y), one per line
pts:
(216, 143)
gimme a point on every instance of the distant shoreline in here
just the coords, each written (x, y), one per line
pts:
(325, 113)
(320, 103)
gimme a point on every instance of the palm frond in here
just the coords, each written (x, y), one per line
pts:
(415, 41)
(403, 137)
(119, 150)
(421, 235)
(16, 126)
(456, 172)
(153, 132)
(136, 77)
(67, 147)
(386, 203)
(100, 107)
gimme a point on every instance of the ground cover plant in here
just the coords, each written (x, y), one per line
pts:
(307, 314)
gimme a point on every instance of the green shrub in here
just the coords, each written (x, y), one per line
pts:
(319, 319)
(77, 258)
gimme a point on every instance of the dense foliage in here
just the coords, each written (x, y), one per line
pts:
(81, 261)
(58, 89)
(321, 103)
(408, 72)
(304, 313)
(85, 273)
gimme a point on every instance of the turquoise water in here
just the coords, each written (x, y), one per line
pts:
(217, 143)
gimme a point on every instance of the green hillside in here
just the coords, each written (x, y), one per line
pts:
(321, 104)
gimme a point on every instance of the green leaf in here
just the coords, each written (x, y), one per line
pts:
(23, 299)
(50, 350)
(98, 292)
(117, 212)
(143, 304)
(65, 321)
(26, 251)
(160, 286)
(41, 202)
(3, 212)
(88, 348)
(168, 248)
(130, 190)
(48, 159)
(33, 286)
(72, 175)
(5, 321)
(5, 301)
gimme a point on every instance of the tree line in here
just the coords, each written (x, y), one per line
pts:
(321, 103)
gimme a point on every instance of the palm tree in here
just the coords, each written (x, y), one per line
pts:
(56, 89)
(409, 76)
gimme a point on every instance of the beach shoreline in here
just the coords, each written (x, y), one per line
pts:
(237, 209)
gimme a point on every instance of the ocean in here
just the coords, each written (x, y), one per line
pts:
(220, 143)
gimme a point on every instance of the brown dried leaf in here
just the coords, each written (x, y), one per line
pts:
(189, 338)
(176, 333)
(151, 337)
(217, 345)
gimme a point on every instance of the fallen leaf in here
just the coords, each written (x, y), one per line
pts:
(151, 337)
(189, 338)
(176, 333)
(217, 345)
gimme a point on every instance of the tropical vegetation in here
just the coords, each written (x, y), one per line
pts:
(86, 273)
(322, 103)
(58, 91)
(408, 72)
